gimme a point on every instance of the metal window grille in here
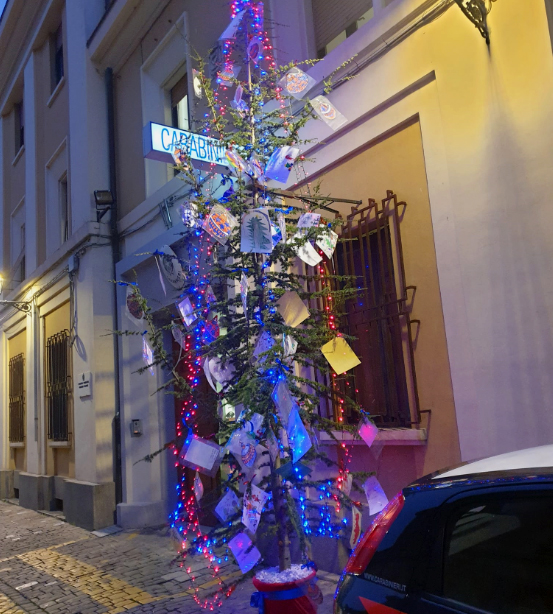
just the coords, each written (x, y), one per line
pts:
(17, 399)
(370, 250)
(58, 385)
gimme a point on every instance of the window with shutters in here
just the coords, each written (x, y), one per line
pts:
(336, 21)
(17, 399)
(58, 385)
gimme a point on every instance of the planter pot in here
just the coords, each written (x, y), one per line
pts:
(298, 597)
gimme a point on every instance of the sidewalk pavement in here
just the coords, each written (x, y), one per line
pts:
(49, 566)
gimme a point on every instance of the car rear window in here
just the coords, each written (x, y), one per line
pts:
(498, 555)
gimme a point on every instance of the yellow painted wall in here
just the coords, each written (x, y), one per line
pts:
(16, 346)
(59, 461)
(397, 163)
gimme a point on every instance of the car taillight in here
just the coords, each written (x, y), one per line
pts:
(367, 545)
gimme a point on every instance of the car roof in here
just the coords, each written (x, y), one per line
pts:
(532, 458)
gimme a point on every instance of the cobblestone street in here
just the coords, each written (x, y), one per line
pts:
(47, 565)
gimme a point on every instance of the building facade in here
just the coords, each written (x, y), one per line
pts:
(448, 144)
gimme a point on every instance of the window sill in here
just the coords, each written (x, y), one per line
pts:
(18, 155)
(56, 91)
(17, 444)
(387, 437)
(59, 444)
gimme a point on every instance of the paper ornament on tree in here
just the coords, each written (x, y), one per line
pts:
(281, 220)
(340, 356)
(189, 214)
(256, 169)
(327, 242)
(255, 49)
(290, 345)
(134, 309)
(197, 83)
(208, 376)
(170, 266)
(219, 223)
(244, 293)
(283, 400)
(264, 343)
(367, 431)
(275, 235)
(256, 234)
(219, 371)
(308, 220)
(198, 487)
(180, 154)
(237, 102)
(178, 335)
(356, 527)
(297, 435)
(245, 553)
(280, 163)
(292, 309)
(200, 454)
(305, 250)
(186, 311)
(236, 162)
(228, 506)
(296, 83)
(328, 112)
(148, 356)
(375, 495)
(231, 29)
(347, 484)
(254, 502)
(227, 75)
(210, 297)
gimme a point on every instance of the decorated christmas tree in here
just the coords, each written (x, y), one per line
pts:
(259, 314)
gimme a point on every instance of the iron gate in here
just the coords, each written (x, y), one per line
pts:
(58, 385)
(17, 399)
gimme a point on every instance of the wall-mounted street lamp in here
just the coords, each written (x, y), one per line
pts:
(477, 11)
(104, 202)
(24, 306)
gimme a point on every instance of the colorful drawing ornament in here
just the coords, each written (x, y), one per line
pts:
(219, 223)
(248, 453)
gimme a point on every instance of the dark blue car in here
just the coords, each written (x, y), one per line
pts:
(475, 539)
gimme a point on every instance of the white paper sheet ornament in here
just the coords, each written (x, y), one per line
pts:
(189, 214)
(305, 250)
(281, 162)
(328, 112)
(228, 506)
(219, 223)
(356, 527)
(170, 266)
(281, 220)
(339, 355)
(290, 345)
(327, 242)
(256, 169)
(283, 400)
(209, 377)
(239, 104)
(296, 83)
(245, 553)
(179, 335)
(230, 31)
(200, 454)
(244, 294)
(375, 495)
(347, 484)
(298, 436)
(148, 356)
(292, 309)
(367, 431)
(186, 311)
(254, 502)
(221, 371)
(308, 220)
(256, 235)
(198, 487)
(134, 310)
(264, 343)
(197, 83)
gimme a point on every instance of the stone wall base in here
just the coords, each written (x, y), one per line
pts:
(6, 484)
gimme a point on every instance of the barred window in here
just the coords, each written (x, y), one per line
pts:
(58, 385)
(17, 399)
